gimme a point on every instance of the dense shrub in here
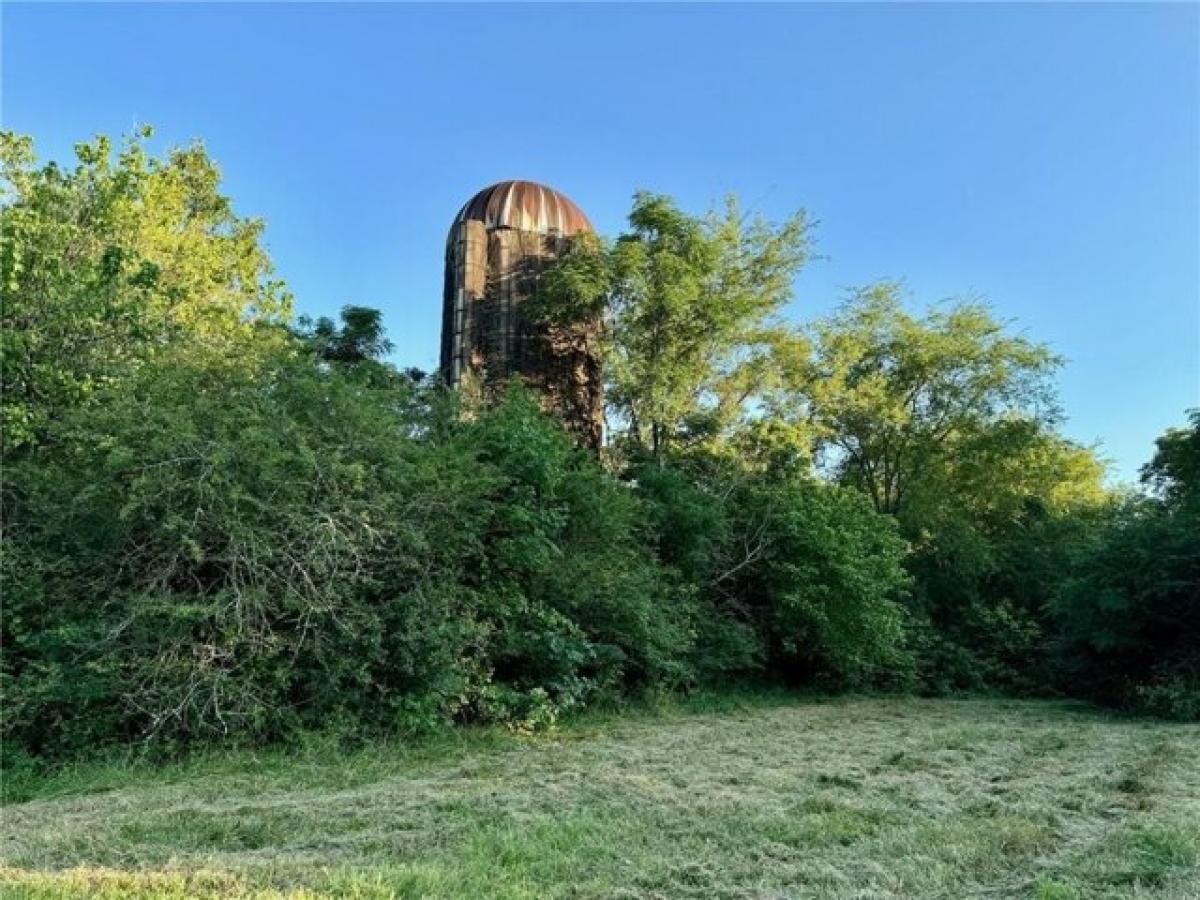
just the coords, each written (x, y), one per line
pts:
(228, 552)
(982, 598)
(1129, 617)
(995, 527)
(218, 551)
(689, 525)
(824, 575)
(576, 602)
(220, 524)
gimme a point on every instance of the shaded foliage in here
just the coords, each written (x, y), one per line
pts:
(1130, 613)
(828, 585)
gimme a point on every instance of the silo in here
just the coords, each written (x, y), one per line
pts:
(498, 244)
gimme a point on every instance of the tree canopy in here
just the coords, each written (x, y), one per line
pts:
(692, 306)
(892, 395)
(105, 264)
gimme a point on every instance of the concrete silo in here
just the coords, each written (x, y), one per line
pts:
(498, 244)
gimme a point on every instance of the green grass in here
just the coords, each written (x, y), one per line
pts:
(765, 799)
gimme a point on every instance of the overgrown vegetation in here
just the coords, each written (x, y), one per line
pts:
(1129, 615)
(223, 525)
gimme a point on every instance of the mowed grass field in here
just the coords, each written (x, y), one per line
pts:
(768, 798)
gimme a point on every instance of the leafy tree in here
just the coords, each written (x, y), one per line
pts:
(690, 304)
(358, 339)
(946, 421)
(994, 528)
(105, 264)
(891, 393)
(1174, 471)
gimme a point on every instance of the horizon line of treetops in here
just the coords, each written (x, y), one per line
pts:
(223, 523)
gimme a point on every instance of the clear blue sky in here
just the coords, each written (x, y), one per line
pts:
(1044, 157)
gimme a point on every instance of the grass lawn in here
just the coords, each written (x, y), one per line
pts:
(768, 798)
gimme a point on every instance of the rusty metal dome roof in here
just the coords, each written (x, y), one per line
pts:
(524, 206)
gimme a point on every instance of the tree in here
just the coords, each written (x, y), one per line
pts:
(104, 265)
(994, 526)
(1174, 472)
(359, 338)
(690, 304)
(891, 394)
(946, 421)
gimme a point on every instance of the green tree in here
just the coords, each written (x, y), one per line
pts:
(359, 338)
(105, 264)
(946, 421)
(994, 528)
(691, 306)
(1174, 471)
(891, 393)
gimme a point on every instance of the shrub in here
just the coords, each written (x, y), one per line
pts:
(222, 551)
(826, 574)
(1129, 617)
(689, 527)
(576, 603)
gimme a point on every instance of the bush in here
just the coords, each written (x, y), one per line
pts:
(576, 603)
(689, 527)
(220, 551)
(223, 552)
(1129, 617)
(224, 525)
(986, 569)
(825, 574)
